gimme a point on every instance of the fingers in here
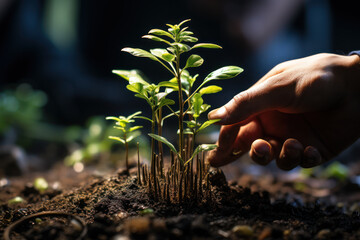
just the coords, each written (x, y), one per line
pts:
(288, 156)
(291, 154)
(312, 158)
(268, 95)
(224, 154)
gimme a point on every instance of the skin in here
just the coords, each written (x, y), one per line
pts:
(302, 112)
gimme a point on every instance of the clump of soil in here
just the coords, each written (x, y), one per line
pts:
(115, 207)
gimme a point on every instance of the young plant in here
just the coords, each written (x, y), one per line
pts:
(176, 41)
(128, 133)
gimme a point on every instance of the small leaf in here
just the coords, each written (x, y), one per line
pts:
(207, 123)
(201, 148)
(185, 21)
(166, 101)
(194, 61)
(125, 74)
(136, 87)
(137, 52)
(189, 39)
(154, 38)
(210, 89)
(145, 118)
(181, 47)
(206, 45)
(204, 108)
(133, 115)
(197, 101)
(117, 139)
(185, 33)
(134, 128)
(160, 32)
(224, 73)
(163, 140)
(186, 131)
(133, 135)
(190, 124)
(15, 200)
(168, 84)
(40, 184)
(163, 54)
(113, 118)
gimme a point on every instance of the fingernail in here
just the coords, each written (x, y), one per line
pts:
(262, 150)
(217, 113)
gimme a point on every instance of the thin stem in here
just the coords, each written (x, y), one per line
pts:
(181, 108)
(173, 73)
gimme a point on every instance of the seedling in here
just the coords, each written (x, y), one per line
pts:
(128, 133)
(180, 177)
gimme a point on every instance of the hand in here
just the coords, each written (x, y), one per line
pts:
(302, 112)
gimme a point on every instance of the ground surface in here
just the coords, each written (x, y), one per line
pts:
(113, 206)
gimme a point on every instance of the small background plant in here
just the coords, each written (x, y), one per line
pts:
(186, 171)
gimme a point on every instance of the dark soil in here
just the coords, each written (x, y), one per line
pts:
(115, 207)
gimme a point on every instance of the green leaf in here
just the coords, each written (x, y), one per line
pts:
(15, 200)
(201, 148)
(136, 87)
(204, 108)
(224, 73)
(160, 32)
(169, 84)
(207, 123)
(194, 61)
(125, 74)
(185, 33)
(163, 140)
(137, 52)
(133, 115)
(163, 54)
(158, 39)
(134, 128)
(186, 131)
(165, 101)
(40, 184)
(113, 118)
(210, 89)
(185, 21)
(190, 124)
(145, 118)
(133, 135)
(189, 39)
(181, 47)
(206, 45)
(117, 139)
(120, 128)
(197, 101)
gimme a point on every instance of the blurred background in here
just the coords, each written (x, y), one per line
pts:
(64, 50)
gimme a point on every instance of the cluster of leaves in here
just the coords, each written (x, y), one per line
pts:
(190, 102)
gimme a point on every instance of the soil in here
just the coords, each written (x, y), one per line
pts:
(113, 206)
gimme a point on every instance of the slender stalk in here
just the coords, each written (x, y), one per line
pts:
(126, 154)
(181, 109)
(138, 163)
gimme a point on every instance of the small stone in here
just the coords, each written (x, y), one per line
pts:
(120, 237)
(323, 234)
(138, 225)
(159, 225)
(265, 233)
(244, 231)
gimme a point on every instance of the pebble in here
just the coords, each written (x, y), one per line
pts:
(323, 234)
(244, 231)
(138, 225)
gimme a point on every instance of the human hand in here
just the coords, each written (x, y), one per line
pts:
(302, 112)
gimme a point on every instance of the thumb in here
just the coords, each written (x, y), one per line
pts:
(268, 95)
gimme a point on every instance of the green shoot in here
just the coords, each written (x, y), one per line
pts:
(176, 57)
(128, 132)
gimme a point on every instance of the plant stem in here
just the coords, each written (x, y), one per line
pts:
(181, 109)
